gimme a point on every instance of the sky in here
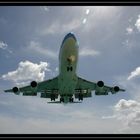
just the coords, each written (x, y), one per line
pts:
(108, 37)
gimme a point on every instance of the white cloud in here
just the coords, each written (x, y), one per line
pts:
(101, 14)
(128, 113)
(129, 30)
(137, 24)
(88, 52)
(11, 125)
(46, 8)
(84, 21)
(134, 73)
(37, 47)
(34, 115)
(3, 45)
(124, 104)
(87, 11)
(58, 27)
(27, 71)
(129, 44)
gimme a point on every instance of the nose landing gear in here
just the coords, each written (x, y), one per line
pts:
(70, 99)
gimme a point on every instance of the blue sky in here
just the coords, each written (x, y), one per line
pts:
(30, 39)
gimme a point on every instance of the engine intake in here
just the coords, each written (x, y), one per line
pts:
(116, 88)
(100, 83)
(15, 89)
(33, 84)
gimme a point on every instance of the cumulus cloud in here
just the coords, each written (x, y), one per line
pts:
(137, 24)
(27, 71)
(3, 45)
(128, 113)
(134, 73)
(88, 52)
(124, 104)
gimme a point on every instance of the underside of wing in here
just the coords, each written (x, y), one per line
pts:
(84, 88)
(46, 88)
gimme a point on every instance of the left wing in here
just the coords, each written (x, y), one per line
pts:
(85, 87)
(47, 88)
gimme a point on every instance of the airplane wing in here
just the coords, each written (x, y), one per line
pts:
(46, 88)
(85, 87)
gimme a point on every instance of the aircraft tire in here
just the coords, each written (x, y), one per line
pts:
(61, 99)
(70, 99)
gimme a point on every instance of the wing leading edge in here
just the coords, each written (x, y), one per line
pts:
(45, 87)
(85, 87)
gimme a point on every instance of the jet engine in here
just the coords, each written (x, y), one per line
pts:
(116, 88)
(100, 84)
(33, 84)
(15, 89)
(99, 89)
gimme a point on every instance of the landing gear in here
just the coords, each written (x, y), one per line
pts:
(61, 99)
(80, 97)
(52, 97)
(70, 99)
(69, 68)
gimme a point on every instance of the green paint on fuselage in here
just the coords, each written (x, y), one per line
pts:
(67, 78)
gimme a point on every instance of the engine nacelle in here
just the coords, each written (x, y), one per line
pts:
(33, 84)
(100, 84)
(116, 88)
(15, 89)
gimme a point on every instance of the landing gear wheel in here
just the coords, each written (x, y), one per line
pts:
(52, 99)
(81, 98)
(70, 99)
(61, 99)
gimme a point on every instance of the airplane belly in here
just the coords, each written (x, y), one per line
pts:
(67, 86)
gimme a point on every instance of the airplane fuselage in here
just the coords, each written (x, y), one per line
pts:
(68, 58)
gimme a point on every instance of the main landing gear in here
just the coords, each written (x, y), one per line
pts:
(70, 99)
(80, 97)
(62, 99)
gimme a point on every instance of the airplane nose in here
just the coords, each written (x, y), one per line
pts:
(70, 35)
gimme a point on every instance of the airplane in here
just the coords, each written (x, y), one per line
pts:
(67, 86)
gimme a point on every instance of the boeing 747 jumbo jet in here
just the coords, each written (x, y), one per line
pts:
(67, 86)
